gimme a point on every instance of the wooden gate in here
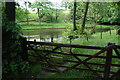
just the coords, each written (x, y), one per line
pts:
(109, 55)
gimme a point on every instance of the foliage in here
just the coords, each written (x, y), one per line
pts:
(11, 49)
(98, 12)
(17, 67)
(65, 4)
(109, 13)
(49, 15)
(21, 13)
(12, 61)
(69, 32)
(43, 8)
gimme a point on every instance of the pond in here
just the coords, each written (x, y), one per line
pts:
(46, 35)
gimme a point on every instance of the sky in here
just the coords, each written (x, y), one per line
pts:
(57, 3)
(54, 1)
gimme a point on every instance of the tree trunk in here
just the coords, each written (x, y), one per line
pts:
(85, 15)
(26, 13)
(38, 15)
(66, 5)
(10, 10)
(56, 15)
(74, 17)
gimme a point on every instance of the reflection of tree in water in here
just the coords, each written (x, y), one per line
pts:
(47, 35)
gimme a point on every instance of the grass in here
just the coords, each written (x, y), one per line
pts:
(94, 40)
(84, 75)
(36, 25)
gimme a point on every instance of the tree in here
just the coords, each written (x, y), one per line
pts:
(74, 16)
(84, 19)
(20, 13)
(41, 6)
(26, 11)
(11, 46)
(65, 4)
(56, 12)
(97, 13)
(49, 15)
(10, 11)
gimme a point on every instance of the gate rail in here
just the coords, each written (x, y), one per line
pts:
(107, 72)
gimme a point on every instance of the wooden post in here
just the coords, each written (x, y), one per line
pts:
(108, 63)
(70, 47)
(110, 31)
(28, 36)
(34, 40)
(24, 53)
(101, 33)
(52, 39)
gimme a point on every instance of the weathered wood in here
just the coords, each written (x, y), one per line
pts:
(66, 45)
(78, 54)
(117, 52)
(52, 50)
(117, 46)
(108, 57)
(110, 32)
(108, 63)
(69, 67)
(101, 33)
(92, 56)
(52, 39)
(99, 64)
(80, 60)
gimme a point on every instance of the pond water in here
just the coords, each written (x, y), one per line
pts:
(43, 34)
(48, 34)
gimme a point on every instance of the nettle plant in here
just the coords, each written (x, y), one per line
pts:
(11, 53)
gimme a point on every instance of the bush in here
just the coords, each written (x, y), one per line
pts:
(11, 53)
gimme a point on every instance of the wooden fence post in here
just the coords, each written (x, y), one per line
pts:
(24, 53)
(108, 63)
(110, 32)
(52, 39)
(101, 33)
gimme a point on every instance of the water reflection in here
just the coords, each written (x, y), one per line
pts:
(44, 35)
(46, 40)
